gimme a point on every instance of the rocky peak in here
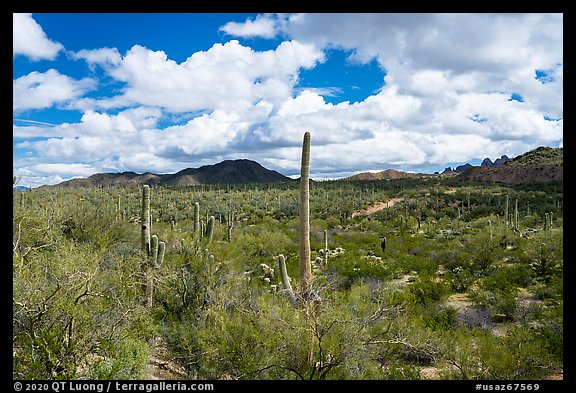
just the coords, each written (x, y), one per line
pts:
(487, 162)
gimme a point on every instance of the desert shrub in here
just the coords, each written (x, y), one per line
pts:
(264, 337)
(460, 279)
(543, 253)
(477, 354)
(72, 305)
(497, 293)
(125, 360)
(426, 289)
(437, 317)
(262, 247)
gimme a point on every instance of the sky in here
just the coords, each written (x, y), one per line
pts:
(161, 92)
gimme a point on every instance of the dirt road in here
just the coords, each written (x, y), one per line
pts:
(376, 207)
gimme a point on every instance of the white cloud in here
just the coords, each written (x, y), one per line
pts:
(28, 39)
(442, 100)
(262, 26)
(35, 174)
(306, 102)
(103, 56)
(39, 90)
(493, 51)
(224, 77)
(63, 170)
(97, 137)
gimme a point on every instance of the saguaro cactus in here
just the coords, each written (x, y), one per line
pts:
(145, 218)
(230, 222)
(118, 211)
(325, 248)
(197, 220)
(210, 228)
(506, 211)
(304, 240)
(516, 214)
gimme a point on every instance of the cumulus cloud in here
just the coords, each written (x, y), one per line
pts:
(442, 100)
(262, 26)
(39, 90)
(29, 39)
(103, 56)
(98, 136)
(493, 51)
(225, 77)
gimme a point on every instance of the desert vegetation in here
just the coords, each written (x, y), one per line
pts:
(454, 280)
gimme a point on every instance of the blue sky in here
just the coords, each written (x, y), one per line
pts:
(160, 92)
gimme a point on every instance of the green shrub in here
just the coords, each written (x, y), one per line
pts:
(426, 289)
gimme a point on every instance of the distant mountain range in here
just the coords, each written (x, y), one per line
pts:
(226, 172)
(388, 174)
(543, 164)
(539, 165)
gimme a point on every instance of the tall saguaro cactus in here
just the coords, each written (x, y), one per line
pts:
(516, 214)
(119, 212)
(230, 222)
(325, 248)
(506, 217)
(197, 220)
(145, 218)
(304, 240)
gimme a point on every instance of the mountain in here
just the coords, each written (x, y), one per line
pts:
(499, 161)
(226, 172)
(502, 160)
(388, 174)
(462, 168)
(543, 164)
(540, 155)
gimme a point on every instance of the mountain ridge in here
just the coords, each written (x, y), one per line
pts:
(538, 165)
(226, 172)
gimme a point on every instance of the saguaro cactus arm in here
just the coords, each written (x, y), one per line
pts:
(286, 281)
(161, 251)
(154, 250)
